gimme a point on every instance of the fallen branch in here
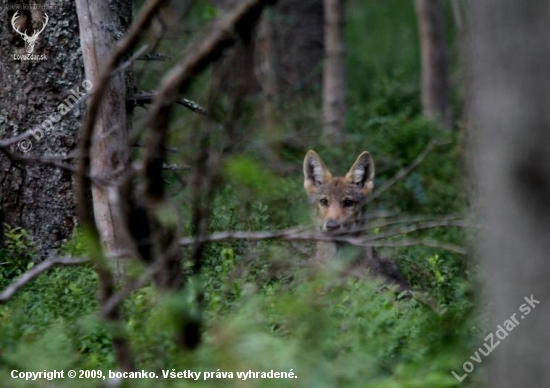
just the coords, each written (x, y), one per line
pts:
(34, 272)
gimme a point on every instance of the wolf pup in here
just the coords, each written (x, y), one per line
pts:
(339, 205)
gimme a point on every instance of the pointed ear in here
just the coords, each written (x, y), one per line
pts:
(315, 172)
(362, 173)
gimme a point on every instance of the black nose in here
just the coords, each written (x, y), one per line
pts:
(331, 225)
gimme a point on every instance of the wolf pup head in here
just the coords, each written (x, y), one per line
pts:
(339, 202)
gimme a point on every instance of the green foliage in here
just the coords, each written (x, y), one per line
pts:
(18, 242)
(261, 306)
(384, 41)
(78, 245)
(16, 257)
(330, 331)
(245, 172)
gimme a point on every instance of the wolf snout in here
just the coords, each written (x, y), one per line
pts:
(331, 226)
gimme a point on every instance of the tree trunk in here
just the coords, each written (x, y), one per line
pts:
(297, 27)
(334, 93)
(266, 68)
(435, 67)
(40, 198)
(509, 54)
(287, 50)
(99, 23)
(279, 67)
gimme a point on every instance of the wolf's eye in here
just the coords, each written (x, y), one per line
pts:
(348, 203)
(323, 201)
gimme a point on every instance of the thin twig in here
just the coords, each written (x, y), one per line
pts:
(178, 80)
(51, 161)
(142, 98)
(300, 235)
(143, 145)
(175, 167)
(385, 222)
(403, 172)
(285, 234)
(417, 227)
(154, 57)
(116, 299)
(427, 243)
(130, 61)
(35, 271)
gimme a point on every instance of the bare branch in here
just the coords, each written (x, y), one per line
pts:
(175, 167)
(417, 227)
(155, 57)
(178, 80)
(286, 234)
(54, 160)
(130, 61)
(141, 98)
(142, 145)
(427, 243)
(385, 222)
(403, 172)
(297, 234)
(115, 300)
(35, 271)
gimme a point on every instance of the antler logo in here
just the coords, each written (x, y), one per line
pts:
(29, 40)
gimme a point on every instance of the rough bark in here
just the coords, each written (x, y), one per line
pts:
(100, 23)
(39, 198)
(334, 93)
(435, 67)
(509, 51)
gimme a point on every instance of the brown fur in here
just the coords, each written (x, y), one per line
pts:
(339, 205)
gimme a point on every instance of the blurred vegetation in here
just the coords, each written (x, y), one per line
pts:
(264, 309)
